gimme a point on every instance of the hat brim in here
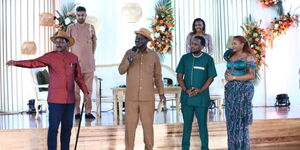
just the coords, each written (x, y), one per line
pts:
(71, 41)
(142, 33)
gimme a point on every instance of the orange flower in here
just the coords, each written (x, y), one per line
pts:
(161, 21)
(263, 53)
(152, 44)
(257, 55)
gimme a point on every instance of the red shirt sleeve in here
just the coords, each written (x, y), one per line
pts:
(79, 80)
(34, 63)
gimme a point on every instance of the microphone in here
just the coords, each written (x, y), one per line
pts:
(134, 48)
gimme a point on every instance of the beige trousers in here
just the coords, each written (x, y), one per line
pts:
(136, 110)
(88, 79)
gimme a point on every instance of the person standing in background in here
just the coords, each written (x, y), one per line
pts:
(84, 48)
(199, 30)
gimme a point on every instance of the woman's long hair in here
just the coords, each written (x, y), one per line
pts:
(243, 40)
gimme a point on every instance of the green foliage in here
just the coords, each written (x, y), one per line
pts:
(66, 17)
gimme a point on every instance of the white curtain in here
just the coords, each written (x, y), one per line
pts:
(223, 18)
(19, 22)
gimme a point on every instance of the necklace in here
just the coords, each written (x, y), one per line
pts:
(197, 56)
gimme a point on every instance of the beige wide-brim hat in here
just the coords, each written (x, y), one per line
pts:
(61, 34)
(145, 32)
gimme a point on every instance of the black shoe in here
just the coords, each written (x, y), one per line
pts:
(89, 116)
(77, 116)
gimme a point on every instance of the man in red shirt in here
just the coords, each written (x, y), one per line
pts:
(64, 69)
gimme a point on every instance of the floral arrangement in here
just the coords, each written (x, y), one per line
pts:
(66, 17)
(162, 26)
(273, 3)
(282, 24)
(256, 37)
(268, 3)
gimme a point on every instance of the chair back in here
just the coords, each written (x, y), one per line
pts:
(40, 77)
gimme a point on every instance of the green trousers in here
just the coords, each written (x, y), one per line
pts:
(188, 112)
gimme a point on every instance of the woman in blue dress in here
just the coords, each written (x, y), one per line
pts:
(239, 91)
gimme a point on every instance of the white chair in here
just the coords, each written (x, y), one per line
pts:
(216, 89)
(217, 94)
(100, 98)
(40, 96)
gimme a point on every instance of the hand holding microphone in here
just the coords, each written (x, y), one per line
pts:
(132, 53)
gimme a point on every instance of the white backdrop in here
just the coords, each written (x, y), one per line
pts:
(116, 36)
(281, 75)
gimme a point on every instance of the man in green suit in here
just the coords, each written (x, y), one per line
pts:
(195, 72)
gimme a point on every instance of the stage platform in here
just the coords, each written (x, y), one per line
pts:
(273, 129)
(272, 134)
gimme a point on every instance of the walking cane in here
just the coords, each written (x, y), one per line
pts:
(79, 126)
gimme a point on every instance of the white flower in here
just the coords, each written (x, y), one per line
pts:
(276, 25)
(56, 21)
(162, 28)
(156, 35)
(67, 21)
